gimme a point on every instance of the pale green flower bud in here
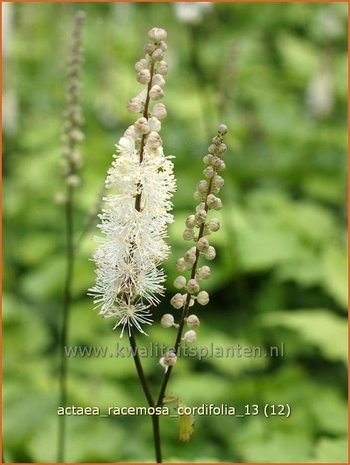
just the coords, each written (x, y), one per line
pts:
(214, 224)
(192, 286)
(222, 148)
(200, 206)
(210, 253)
(208, 159)
(197, 196)
(202, 186)
(190, 336)
(180, 282)
(190, 257)
(141, 126)
(154, 140)
(222, 129)
(131, 132)
(158, 79)
(149, 48)
(206, 230)
(209, 172)
(156, 92)
(154, 124)
(141, 64)
(163, 45)
(212, 148)
(159, 111)
(181, 264)
(144, 76)
(169, 359)
(218, 181)
(211, 200)
(167, 320)
(162, 68)
(218, 204)
(218, 164)
(134, 105)
(192, 321)
(191, 221)
(158, 54)
(177, 301)
(188, 234)
(203, 298)
(203, 272)
(76, 135)
(203, 244)
(157, 34)
(201, 216)
(221, 166)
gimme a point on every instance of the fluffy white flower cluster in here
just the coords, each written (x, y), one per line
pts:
(134, 222)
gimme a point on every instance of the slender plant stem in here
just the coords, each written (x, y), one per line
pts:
(147, 392)
(70, 143)
(139, 369)
(185, 308)
(143, 139)
(156, 436)
(67, 299)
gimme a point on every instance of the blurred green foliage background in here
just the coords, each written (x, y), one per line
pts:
(276, 74)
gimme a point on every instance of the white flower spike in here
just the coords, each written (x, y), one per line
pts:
(137, 212)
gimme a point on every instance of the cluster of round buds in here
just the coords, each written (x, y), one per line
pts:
(198, 227)
(151, 71)
(73, 118)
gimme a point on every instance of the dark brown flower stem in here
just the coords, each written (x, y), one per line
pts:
(147, 392)
(139, 369)
(143, 139)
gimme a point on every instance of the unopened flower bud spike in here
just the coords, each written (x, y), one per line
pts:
(204, 194)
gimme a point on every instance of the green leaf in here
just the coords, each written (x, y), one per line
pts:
(320, 328)
(329, 450)
(335, 275)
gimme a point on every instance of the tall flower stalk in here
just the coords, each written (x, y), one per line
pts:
(71, 163)
(134, 221)
(198, 227)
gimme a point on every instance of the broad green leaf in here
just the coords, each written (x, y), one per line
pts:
(319, 327)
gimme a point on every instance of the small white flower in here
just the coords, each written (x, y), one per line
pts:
(132, 315)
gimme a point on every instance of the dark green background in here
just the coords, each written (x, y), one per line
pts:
(276, 74)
